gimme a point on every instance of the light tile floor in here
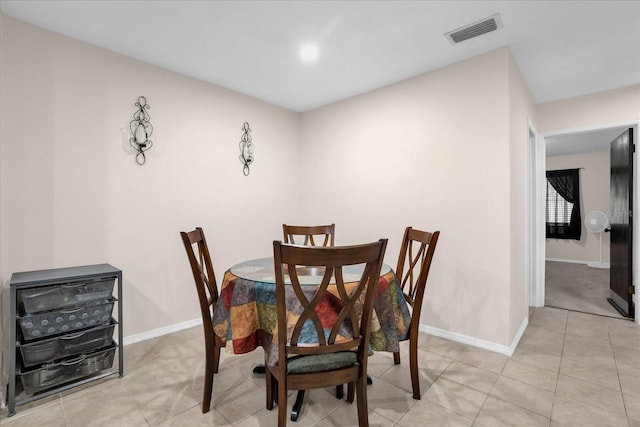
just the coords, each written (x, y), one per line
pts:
(570, 369)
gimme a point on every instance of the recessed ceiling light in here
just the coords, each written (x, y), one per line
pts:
(309, 52)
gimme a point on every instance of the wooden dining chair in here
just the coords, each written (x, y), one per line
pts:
(308, 234)
(310, 354)
(414, 262)
(205, 280)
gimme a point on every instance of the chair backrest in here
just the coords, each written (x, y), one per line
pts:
(416, 253)
(307, 234)
(204, 277)
(352, 314)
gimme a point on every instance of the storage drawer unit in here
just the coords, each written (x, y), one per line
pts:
(53, 374)
(66, 345)
(61, 330)
(65, 295)
(49, 323)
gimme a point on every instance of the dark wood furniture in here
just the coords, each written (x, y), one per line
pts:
(414, 262)
(335, 359)
(307, 234)
(250, 286)
(205, 281)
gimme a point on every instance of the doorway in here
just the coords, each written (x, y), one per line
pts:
(558, 144)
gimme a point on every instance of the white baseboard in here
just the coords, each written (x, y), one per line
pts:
(516, 339)
(594, 264)
(476, 342)
(572, 261)
(131, 339)
(453, 336)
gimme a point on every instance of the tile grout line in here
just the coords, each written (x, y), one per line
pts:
(615, 362)
(555, 390)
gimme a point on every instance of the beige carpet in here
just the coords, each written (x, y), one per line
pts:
(578, 287)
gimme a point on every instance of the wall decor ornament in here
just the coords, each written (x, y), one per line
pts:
(141, 130)
(246, 149)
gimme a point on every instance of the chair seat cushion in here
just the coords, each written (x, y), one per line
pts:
(321, 362)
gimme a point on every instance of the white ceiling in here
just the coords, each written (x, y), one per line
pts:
(563, 48)
(582, 142)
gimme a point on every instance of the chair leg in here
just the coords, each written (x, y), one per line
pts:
(340, 391)
(297, 406)
(216, 359)
(396, 357)
(363, 410)
(282, 404)
(270, 388)
(350, 392)
(209, 369)
(274, 389)
(413, 367)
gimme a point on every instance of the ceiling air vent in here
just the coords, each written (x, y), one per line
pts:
(475, 29)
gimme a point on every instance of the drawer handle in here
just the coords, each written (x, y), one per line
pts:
(72, 337)
(71, 311)
(73, 361)
(39, 294)
(77, 285)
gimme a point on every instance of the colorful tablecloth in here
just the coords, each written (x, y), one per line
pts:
(245, 314)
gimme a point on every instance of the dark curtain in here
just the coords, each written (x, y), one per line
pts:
(567, 183)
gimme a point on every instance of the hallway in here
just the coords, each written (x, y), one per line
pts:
(578, 287)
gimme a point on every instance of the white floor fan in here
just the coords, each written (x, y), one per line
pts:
(597, 222)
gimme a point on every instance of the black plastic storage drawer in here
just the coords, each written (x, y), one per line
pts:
(67, 370)
(67, 345)
(64, 321)
(70, 294)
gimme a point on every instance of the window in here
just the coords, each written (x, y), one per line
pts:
(563, 204)
(558, 208)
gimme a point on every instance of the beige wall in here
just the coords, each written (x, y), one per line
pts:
(72, 194)
(433, 152)
(594, 196)
(603, 109)
(522, 114)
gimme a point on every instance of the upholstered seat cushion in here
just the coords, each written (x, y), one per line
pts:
(321, 362)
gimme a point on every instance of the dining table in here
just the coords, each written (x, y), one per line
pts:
(245, 314)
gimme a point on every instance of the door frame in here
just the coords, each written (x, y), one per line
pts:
(535, 249)
(535, 215)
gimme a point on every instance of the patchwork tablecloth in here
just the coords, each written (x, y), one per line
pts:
(245, 314)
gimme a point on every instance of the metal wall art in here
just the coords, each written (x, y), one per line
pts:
(246, 149)
(141, 130)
